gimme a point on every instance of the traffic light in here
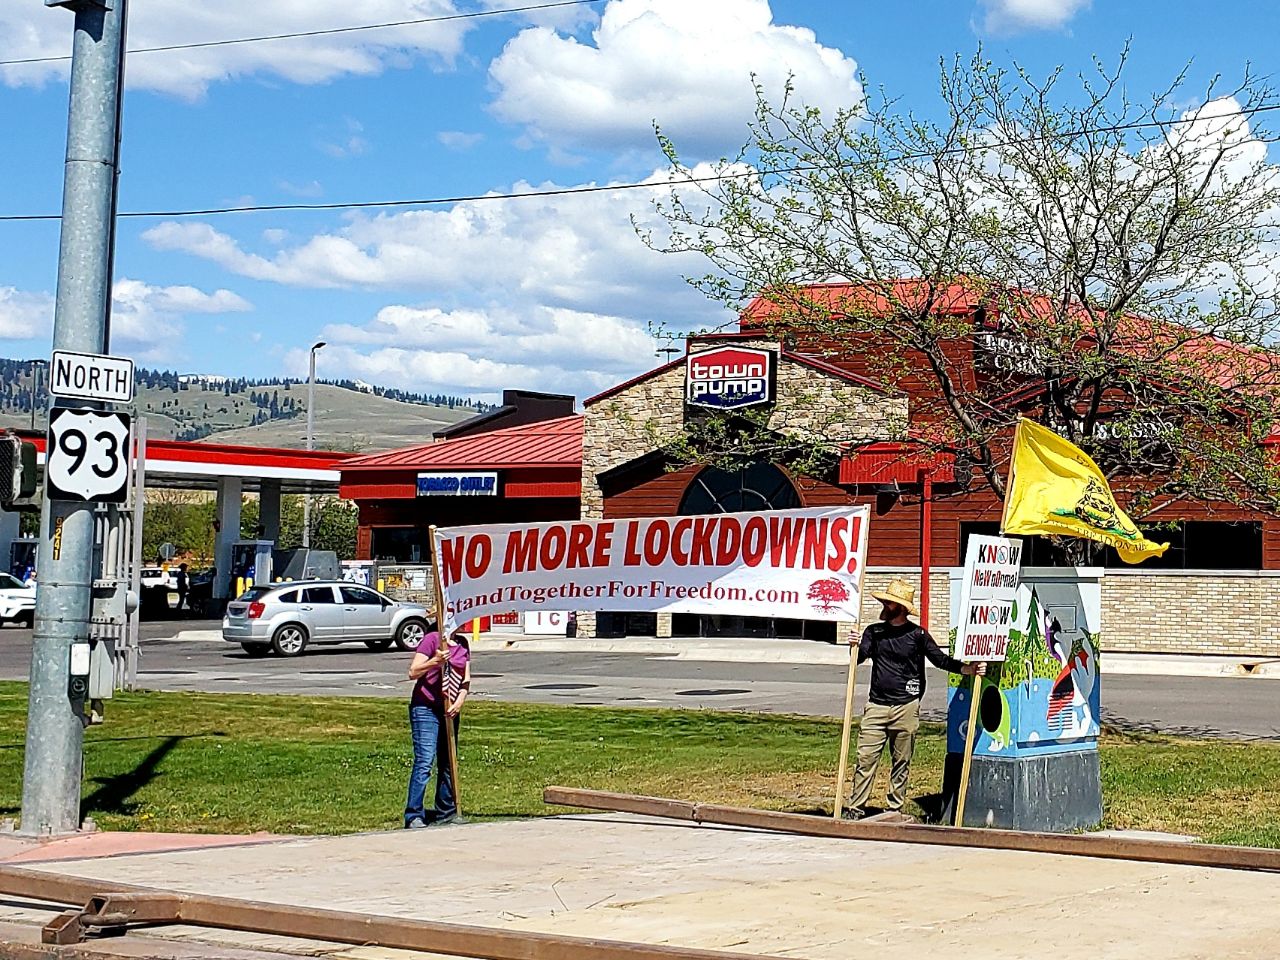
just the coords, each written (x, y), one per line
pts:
(17, 474)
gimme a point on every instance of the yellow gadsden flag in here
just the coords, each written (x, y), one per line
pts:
(1055, 489)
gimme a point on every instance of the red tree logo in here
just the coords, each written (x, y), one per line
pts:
(826, 595)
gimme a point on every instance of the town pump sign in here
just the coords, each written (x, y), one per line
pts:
(730, 378)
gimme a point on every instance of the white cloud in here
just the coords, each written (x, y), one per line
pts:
(312, 189)
(146, 320)
(561, 18)
(1012, 16)
(24, 315)
(1219, 125)
(554, 293)
(479, 352)
(346, 142)
(686, 65)
(28, 30)
(578, 252)
(459, 140)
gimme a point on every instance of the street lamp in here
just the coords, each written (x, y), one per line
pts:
(311, 421)
(35, 374)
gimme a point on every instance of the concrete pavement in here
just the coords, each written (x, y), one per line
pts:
(628, 878)
(1233, 707)
(753, 650)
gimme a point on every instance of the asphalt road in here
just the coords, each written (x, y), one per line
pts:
(1215, 707)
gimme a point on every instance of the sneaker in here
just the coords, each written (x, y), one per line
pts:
(453, 818)
(417, 823)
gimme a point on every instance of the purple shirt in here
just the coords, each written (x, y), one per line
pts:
(427, 691)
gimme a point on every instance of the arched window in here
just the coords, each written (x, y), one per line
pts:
(760, 486)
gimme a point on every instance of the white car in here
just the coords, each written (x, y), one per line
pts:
(156, 577)
(17, 601)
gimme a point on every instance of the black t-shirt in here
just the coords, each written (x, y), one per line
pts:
(898, 655)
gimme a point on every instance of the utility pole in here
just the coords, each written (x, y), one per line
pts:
(35, 388)
(51, 779)
(311, 424)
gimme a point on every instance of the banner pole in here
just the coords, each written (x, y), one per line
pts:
(451, 746)
(975, 691)
(1008, 484)
(846, 730)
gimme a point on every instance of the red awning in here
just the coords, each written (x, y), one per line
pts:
(886, 462)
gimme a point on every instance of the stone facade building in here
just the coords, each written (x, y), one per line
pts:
(629, 454)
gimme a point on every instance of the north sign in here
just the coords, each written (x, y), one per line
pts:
(91, 376)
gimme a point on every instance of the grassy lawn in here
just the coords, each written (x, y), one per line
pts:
(227, 763)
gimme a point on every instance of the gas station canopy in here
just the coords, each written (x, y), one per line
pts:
(196, 465)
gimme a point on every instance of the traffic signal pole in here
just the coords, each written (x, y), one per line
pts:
(55, 719)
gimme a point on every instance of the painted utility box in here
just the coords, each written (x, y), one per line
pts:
(1035, 758)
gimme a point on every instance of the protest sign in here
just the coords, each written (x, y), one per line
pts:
(992, 567)
(990, 584)
(801, 564)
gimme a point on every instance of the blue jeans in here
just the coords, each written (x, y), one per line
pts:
(428, 730)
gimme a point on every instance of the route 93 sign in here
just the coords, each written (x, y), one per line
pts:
(88, 456)
(729, 378)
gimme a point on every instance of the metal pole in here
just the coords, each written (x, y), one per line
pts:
(311, 422)
(926, 543)
(55, 726)
(35, 372)
(132, 647)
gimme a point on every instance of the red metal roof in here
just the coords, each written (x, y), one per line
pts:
(549, 443)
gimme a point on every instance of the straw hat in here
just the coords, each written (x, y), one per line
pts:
(901, 592)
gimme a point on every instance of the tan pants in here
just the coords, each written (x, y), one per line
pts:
(897, 725)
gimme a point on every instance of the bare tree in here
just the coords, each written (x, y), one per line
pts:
(1097, 263)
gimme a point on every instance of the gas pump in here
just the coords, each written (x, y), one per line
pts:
(22, 557)
(251, 559)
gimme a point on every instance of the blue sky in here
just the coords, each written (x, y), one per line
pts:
(539, 293)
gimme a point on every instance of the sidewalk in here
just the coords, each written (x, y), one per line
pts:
(17, 850)
(753, 650)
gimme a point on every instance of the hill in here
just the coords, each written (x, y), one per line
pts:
(350, 415)
(350, 420)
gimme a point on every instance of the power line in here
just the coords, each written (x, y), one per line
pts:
(323, 33)
(620, 187)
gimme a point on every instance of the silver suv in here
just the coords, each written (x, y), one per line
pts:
(284, 618)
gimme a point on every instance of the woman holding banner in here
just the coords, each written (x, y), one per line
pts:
(433, 723)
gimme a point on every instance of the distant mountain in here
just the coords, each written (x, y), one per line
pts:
(350, 414)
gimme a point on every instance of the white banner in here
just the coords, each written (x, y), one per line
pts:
(991, 572)
(796, 564)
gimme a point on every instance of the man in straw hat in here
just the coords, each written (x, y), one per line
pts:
(897, 649)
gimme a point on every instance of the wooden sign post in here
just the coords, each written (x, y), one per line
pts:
(975, 694)
(846, 730)
(451, 745)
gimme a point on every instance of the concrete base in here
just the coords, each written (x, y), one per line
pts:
(716, 888)
(1056, 792)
